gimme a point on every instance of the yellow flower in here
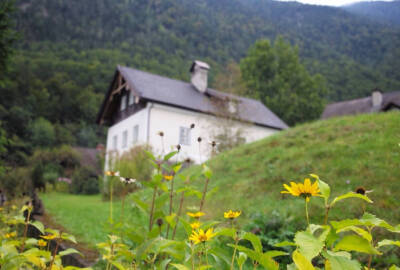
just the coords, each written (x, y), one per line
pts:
(232, 214)
(168, 177)
(195, 215)
(41, 243)
(195, 225)
(201, 236)
(305, 190)
(49, 236)
(111, 173)
(11, 235)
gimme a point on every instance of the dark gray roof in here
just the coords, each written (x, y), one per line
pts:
(361, 105)
(182, 94)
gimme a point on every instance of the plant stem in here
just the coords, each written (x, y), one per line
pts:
(152, 209)
(111, 200)
(171, 196)
(191, 247)
(369, 261)
(203, 198)
(234, 252)
(308, 221)
(205, 248)
(26, 228)
(179, 213)
(122, 214)
(327, 208)
(55, 252)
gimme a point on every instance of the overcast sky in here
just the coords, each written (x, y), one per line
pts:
(330, 2)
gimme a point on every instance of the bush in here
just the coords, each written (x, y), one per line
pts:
(16, 181)
(84, 181)
(133, 164)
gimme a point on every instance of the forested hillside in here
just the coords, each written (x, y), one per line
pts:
(68, 50)
(386, 12)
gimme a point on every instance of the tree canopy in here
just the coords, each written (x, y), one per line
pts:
(274, 74)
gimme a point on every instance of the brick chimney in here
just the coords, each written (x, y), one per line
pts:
(199, 75)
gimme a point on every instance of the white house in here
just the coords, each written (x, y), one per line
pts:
(138, 105)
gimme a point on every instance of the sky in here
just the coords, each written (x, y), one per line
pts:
(331, 2)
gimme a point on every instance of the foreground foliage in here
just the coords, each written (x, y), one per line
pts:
(167, 238)
(19, 251)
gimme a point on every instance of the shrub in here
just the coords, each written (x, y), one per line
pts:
(84, 181)
(16, 181)
(133, 164)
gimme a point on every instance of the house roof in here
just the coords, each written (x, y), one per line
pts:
(181, 94)
(361, 105)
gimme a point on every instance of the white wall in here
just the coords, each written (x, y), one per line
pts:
(140, 118)
(169, 120)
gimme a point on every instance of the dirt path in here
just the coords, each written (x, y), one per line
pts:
(90, 255)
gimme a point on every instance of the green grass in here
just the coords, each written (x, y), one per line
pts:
(85, 216)
(345, 152)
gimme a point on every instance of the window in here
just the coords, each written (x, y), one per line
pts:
(115, 142)
(131, 98)
(124, 139)
(135, 133)
(123, 102)
(184, 136)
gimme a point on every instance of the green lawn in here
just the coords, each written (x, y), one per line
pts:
(85, 216)
(346, 152)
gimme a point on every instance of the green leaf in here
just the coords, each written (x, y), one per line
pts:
(388, 242)
(301, 262)
(118, 265)
(394, 267)
(186, 226)
(170, 155)
(241, 259)
(207, 171)
(275, 253)
(69, 237)
(338, 225)
(227, 232)
(361, 232)
(268, 262)
(285, 244)
(180, 266)
(309, 245)
(68, 251)
(171, 219)
(350, 195)
(38, 225)
(355, 243)
(369, 219)
(323, 187)
(177, 167)
(255, 241)
(338, 262)
(150, 155)
(255, 256)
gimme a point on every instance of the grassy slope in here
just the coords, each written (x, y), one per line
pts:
(362, 150)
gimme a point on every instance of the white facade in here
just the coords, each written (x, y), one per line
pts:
(143, 127)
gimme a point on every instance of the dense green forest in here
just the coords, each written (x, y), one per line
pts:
(386, 12)
(68, 50)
